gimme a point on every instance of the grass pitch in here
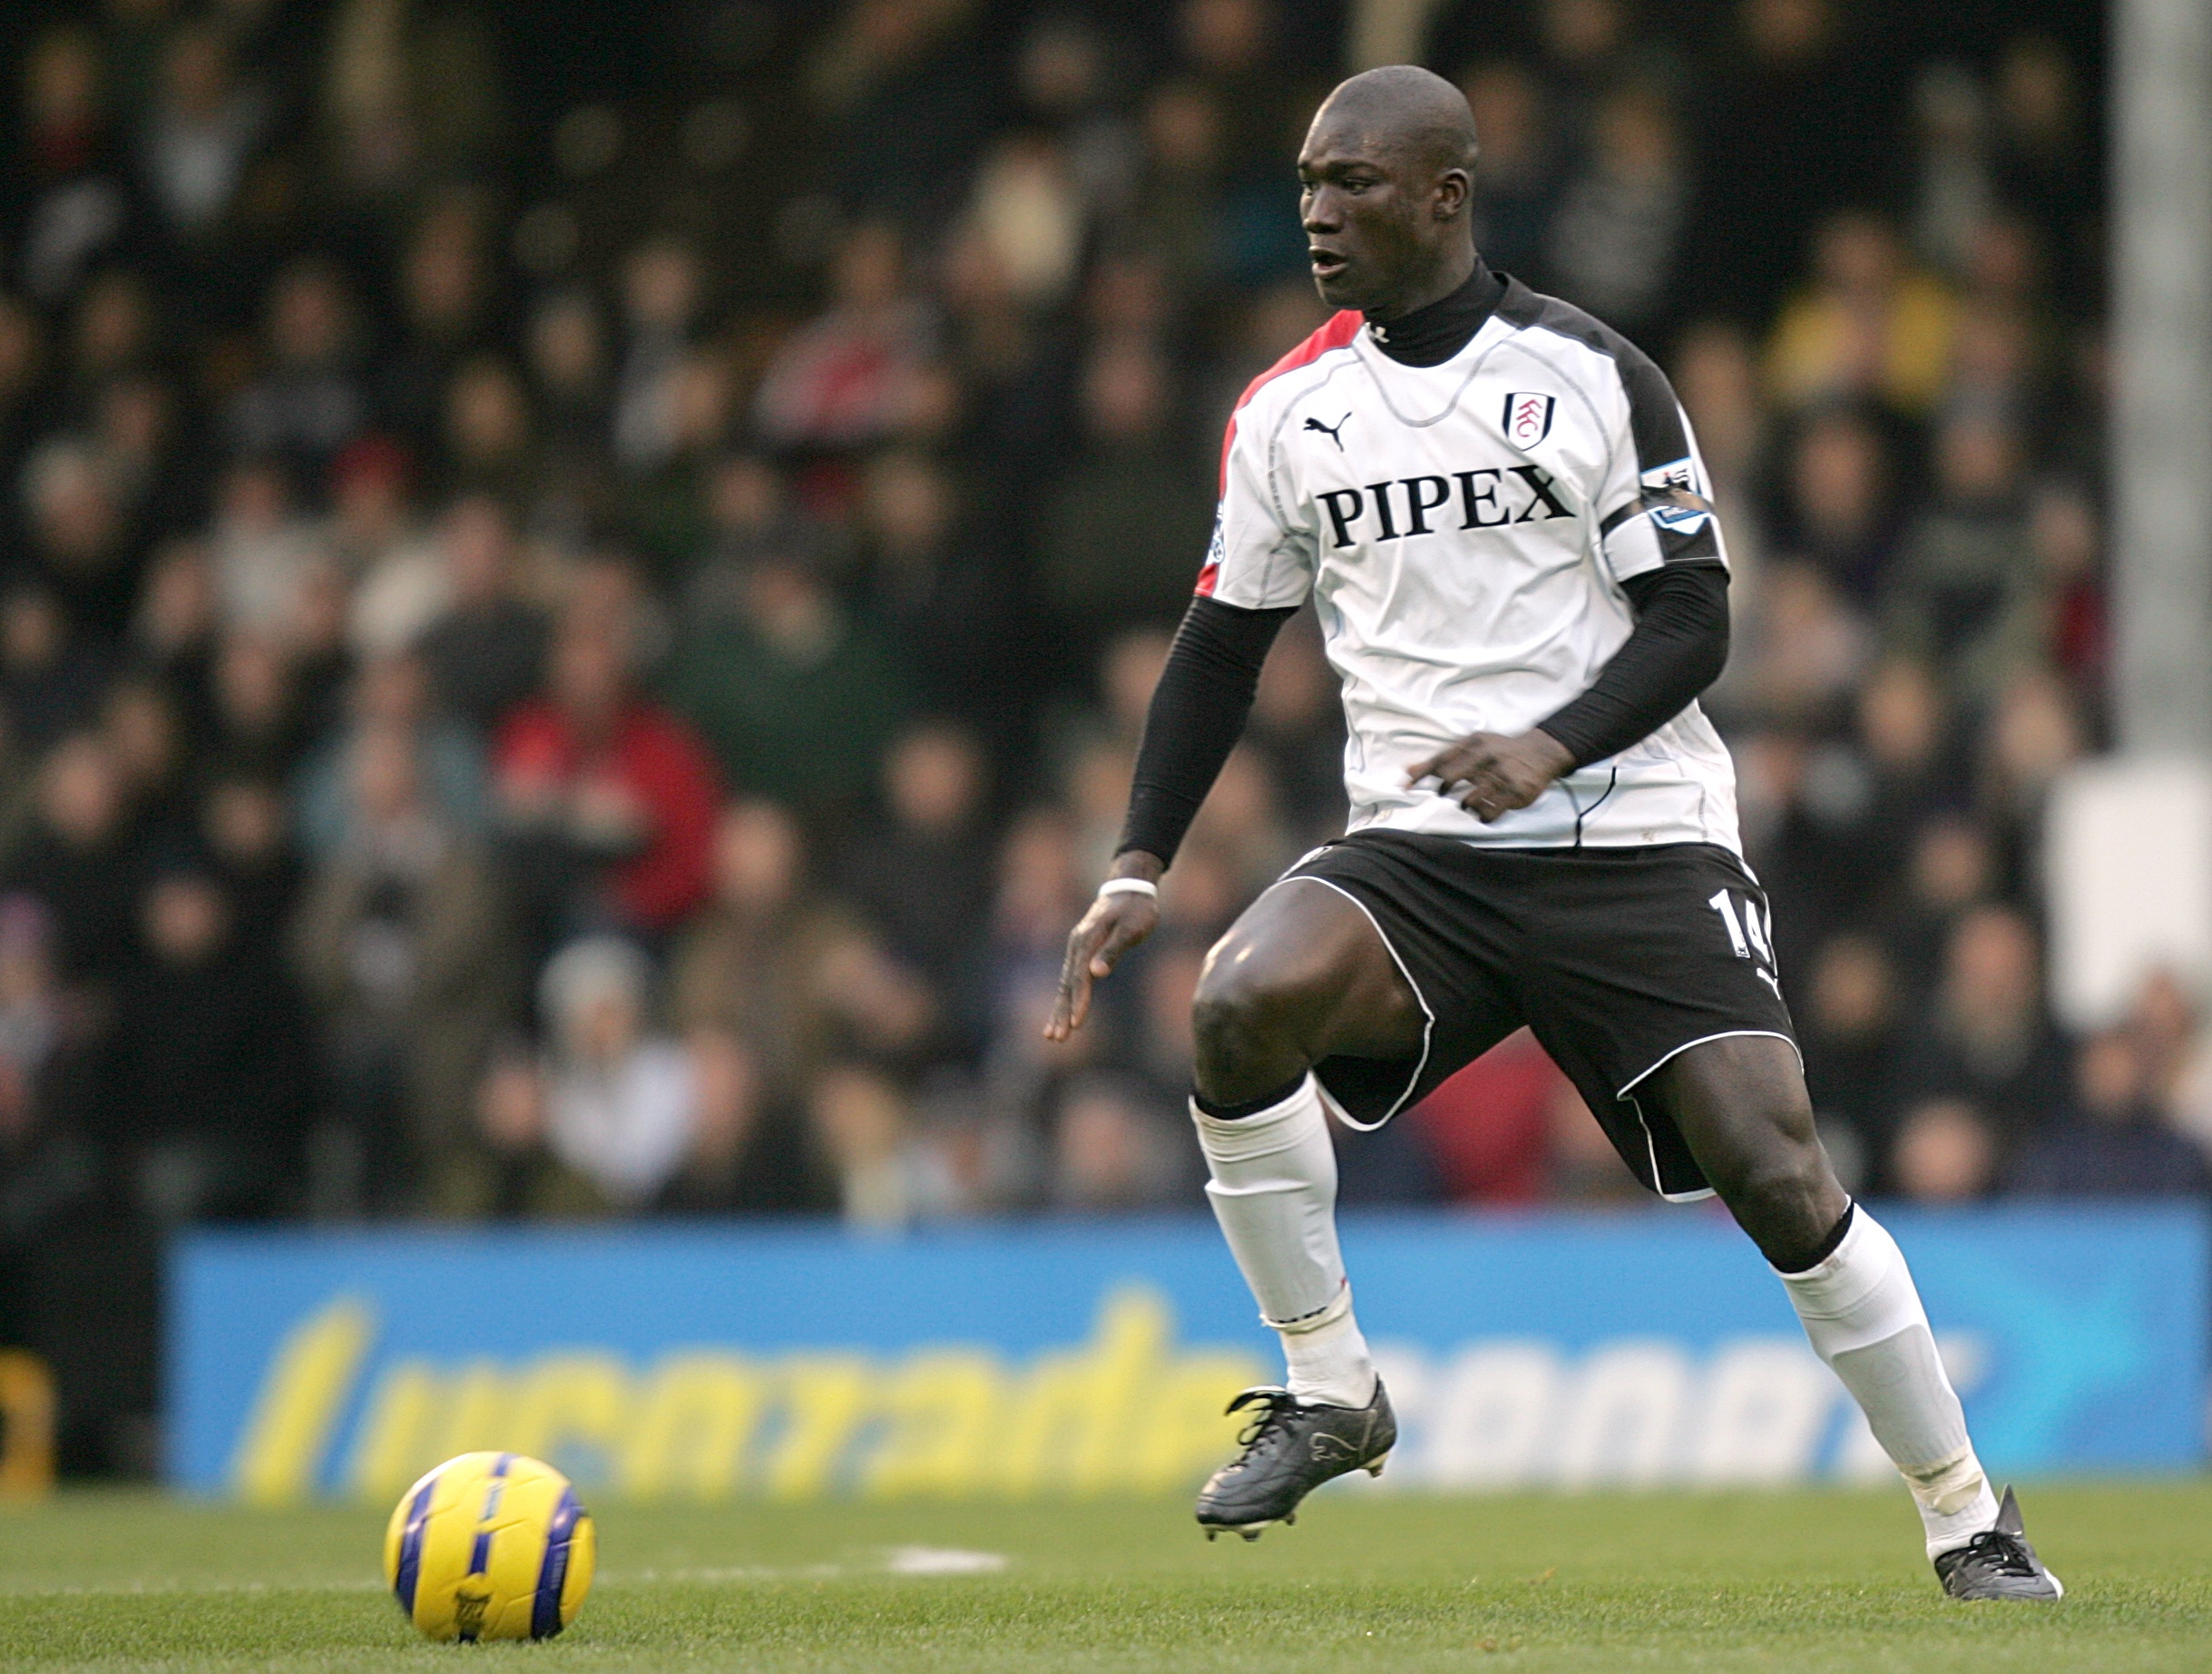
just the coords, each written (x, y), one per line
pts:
(1807, 1582)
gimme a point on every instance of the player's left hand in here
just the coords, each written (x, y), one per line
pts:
(1489, 774)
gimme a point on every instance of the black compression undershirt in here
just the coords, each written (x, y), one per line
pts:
(1198, 713)
(1432, 335)
(1677, 648)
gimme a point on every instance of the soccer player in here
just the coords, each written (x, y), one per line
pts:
(1496, 506)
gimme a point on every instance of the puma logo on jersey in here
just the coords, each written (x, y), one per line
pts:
(1484, 499)
(1330, 430)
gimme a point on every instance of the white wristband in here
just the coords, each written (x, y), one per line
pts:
(1130, 886)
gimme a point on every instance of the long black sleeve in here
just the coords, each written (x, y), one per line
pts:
(1677, 648)
(1198, 713)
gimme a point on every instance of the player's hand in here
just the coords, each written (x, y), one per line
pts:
(1115, 925)
(1489, 774)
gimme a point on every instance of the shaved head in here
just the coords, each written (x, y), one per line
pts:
(1388, 170)
(1404, 109)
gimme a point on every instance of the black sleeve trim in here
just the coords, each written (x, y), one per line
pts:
(1198, 713)
(1658, 500)
(1678, 647)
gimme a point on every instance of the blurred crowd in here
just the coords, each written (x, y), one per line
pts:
(586, 668)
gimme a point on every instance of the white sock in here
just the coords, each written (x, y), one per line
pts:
(1328, 1360)
(1865, 1318)
(1274, 1190)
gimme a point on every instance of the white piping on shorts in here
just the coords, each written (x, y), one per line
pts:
(1428, 1024)
(1627, 1095)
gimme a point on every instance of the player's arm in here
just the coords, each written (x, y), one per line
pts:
(1198, 710)
(1658, 537)
(1677, 648)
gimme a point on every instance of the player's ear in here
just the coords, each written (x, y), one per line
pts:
(1452, 191)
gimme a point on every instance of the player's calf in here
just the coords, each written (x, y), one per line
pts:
(1741, 1104)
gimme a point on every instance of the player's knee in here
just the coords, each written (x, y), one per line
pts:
(1781, 1197)
(1240, 1012)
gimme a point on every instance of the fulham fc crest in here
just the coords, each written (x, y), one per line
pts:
(1528, 417)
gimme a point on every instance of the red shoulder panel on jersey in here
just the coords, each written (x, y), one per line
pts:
(1339, 330)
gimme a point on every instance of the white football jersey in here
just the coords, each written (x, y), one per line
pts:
(1463, 531)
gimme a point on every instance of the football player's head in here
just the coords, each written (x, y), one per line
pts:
(1387, 172)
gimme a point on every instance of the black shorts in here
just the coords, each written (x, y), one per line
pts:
(1617, 958)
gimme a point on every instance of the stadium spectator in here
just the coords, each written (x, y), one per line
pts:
(1944, 1153)
(488, 431)
(2115, 1142)
(749, 968)
(606, 1120)
(1966, 596)
(310, 400)
(445, 284)
(209, 1086)
(50, 674)
(1134, 472)
(1870, 327)
(1988, 1041)
(201, 131)
(1518, 169)
(145, 738)
(861, 1126)
(261, 716)
(391, 696)
(1297, 728)
(941, 580)
(2177, 1068)
(1950, 867)
(1612, 241)
(79, 535)
(1117, 1147)
(403, 943)
(172, 630)
(74, 861)
(609, 797)
(1850, 1035)
(244, 824)
(486, 648)
(797, 690)
(398, 587)
(920, 873)
(1838, 512)
(1795, 122)
(264, 551)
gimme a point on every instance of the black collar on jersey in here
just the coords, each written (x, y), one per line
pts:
(1429, 336)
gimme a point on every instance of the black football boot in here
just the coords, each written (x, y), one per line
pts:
(1289, 1450)
(1998, 1563)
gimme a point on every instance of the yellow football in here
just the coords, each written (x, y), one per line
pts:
(490, 1546)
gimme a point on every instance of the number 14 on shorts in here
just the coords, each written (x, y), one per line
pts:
(1750, 932)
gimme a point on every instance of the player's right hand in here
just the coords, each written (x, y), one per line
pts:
(1115, 925)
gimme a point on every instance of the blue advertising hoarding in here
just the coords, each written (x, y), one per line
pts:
(708, 1361)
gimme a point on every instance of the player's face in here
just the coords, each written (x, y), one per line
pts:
(1365, 233)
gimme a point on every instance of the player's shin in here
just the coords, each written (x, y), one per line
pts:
(1274, 1190)
(1863, 1315)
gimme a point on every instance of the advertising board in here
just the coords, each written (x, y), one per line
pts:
(1083, 1357)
